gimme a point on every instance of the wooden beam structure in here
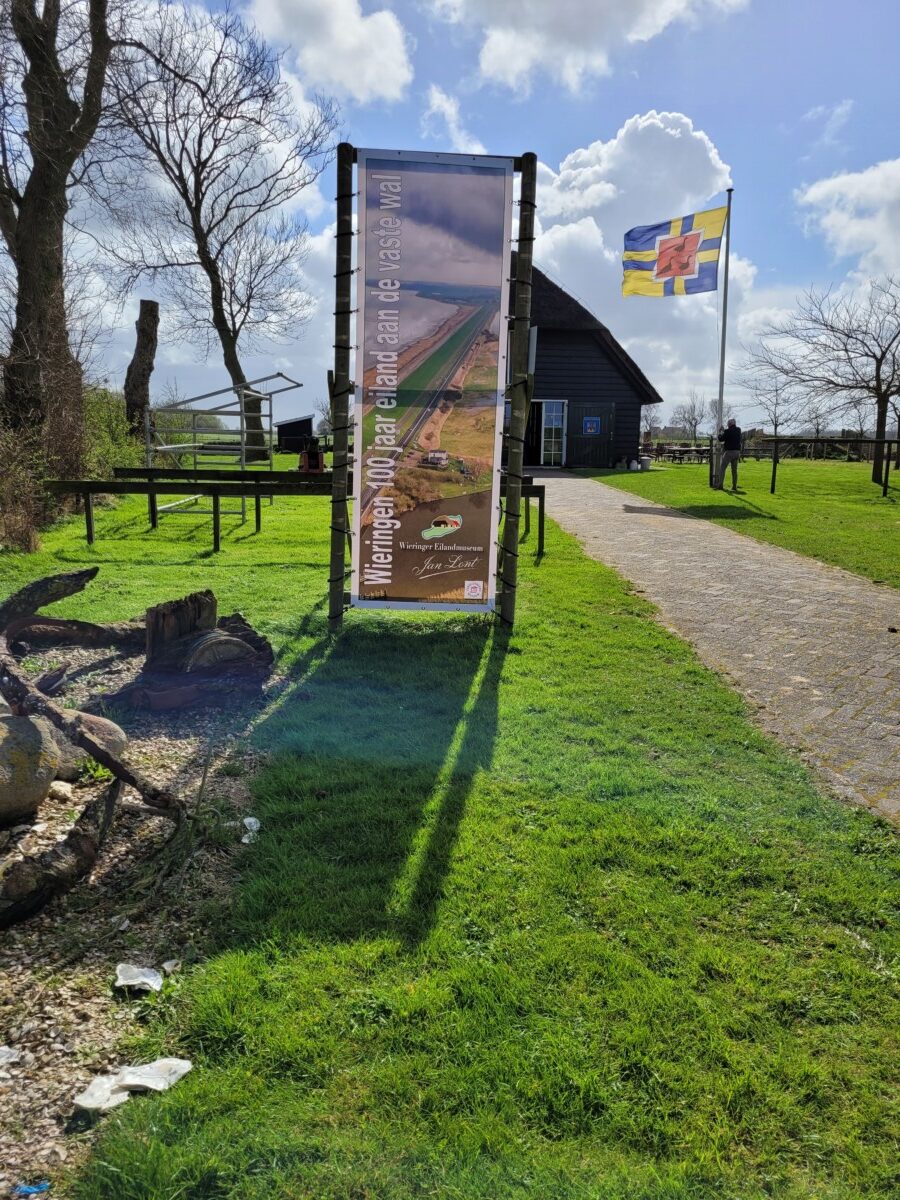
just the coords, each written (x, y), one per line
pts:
(519, 392)
(887, 445)
(340, 385)
(153, 488)
(225, 475)
(183, 487)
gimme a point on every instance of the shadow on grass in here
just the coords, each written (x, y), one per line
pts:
(80, 557)
(376, 740)
(741, 510)
(529, 538)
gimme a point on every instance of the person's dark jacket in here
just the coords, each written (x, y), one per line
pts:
(730, 437)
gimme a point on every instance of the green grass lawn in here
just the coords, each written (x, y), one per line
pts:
(540, 917)
(827, 510)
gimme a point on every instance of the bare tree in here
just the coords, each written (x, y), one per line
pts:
(837, 349)
(53, 67)
(649, 422)
(712, 413)
(324, 424)
(815, 415)
(782, 409)
(857, 420)
(782, 405)
(690, 415)
(218, 230)
(857, 415)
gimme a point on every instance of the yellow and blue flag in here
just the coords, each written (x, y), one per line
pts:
(674, 258)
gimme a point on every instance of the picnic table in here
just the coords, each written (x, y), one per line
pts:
(681, 454)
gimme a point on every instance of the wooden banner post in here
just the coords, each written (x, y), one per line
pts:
(519, 392)
(340, 384)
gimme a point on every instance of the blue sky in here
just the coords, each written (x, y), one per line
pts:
(650, 105)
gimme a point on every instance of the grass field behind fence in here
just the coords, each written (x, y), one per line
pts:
(827, 510)
(538, 917)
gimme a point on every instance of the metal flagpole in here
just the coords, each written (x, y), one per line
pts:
(720, 403)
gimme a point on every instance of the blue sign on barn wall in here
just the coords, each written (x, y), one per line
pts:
(590, 426)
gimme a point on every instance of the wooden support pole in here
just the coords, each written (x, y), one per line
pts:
(519, 391)
(774, 466)
(886, 468)
(541, 508)
(217, 523)
(257, 500)
(339, 383)
(89, 517)
(153, 506)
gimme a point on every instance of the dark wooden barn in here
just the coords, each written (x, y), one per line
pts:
(588, 391)
(294, 434)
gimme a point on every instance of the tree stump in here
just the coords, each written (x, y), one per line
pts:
(137, 377)
(169, 624)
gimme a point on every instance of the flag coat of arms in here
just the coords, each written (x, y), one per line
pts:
(674, 258)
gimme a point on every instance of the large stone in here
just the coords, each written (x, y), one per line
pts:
(28, 762)
(107, 733)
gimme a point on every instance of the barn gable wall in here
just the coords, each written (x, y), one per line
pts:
(573, 365)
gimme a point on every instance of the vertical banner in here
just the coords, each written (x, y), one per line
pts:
(434, 258)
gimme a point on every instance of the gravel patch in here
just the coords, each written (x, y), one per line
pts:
(59, 1015)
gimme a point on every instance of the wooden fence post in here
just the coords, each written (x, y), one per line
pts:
(340, 391)
(519, 391)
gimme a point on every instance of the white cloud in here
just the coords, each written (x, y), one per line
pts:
(858, 214)
(567, 39)
(441, 118)
(656, 162)
(657, 166)
(338, 47)
(833, 118)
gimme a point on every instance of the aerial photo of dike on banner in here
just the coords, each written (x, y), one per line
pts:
(433, 296)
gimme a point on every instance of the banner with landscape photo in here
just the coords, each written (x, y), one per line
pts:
(434, 250)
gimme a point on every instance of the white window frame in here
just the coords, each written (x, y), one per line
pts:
(565, 427)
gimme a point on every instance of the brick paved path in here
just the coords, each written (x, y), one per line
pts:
(809, 644)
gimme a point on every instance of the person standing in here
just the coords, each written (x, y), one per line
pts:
(730, 437)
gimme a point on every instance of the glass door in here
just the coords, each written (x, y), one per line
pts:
(553, 436)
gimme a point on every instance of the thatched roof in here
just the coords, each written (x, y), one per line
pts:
(553, 308)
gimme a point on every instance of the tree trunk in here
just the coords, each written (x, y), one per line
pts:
(42, 378)
(42, 400)
(255, 436)
(881, 409)
(137, 377)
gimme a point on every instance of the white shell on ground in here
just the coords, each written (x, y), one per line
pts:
(109, 1091)
(138, 979)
